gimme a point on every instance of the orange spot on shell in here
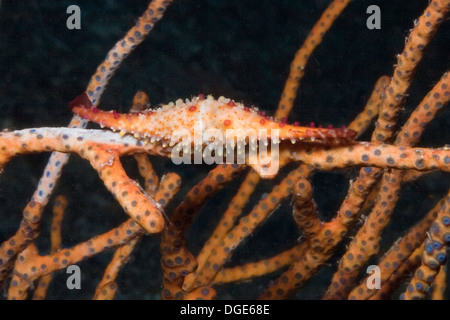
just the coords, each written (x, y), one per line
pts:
(192, 108)
(227, 122)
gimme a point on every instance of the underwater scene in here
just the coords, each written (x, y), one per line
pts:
(342, 194)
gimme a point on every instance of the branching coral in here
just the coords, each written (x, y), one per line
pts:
(389, 161)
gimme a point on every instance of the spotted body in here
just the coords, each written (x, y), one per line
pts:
(205, 113)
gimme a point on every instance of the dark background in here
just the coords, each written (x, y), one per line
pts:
(238, 49)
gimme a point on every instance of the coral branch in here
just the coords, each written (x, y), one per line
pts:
(396, 256)
(366, 154)
(407, 63)
(30, 266)
(228, 138)
(372, 107)
(246, 225)
(433, 257)
(298, 65)
(59, 208)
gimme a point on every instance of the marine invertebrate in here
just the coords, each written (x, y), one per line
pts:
(103, 150)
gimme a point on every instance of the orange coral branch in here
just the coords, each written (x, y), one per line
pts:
(176, 260)
(397, 256)
(363, 119)
(440, 284)
(298, 65)
(30, 266)
(260, 268)
(147, 131)
(59, 209)
(408, 60)
(366, 242)
(243, 229)
(106, 289)
(433, 257)
(305, 212)
(96, 87)
(133, 199)
(28, 231)
(229, 217)
(366, 154)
